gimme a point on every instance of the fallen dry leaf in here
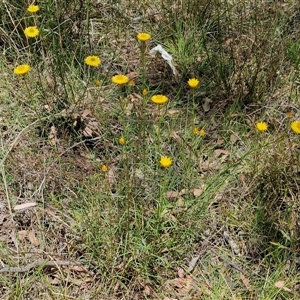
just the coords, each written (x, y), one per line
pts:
(233, 245)
(92, 128)
(128, 109)
(111, 176)
(219, 152)
(147, 290)
(182, 285)
(139, 174)
(172, 194)
(86, 113)
(176, 136)
(172, 218)
(172, 112)
(49, 80)
(193, 263)
(183, 192)
(206, 104)
(219, 142)
(52, 138)
(25, 205)
(48, 107)
(197, 192)
(88, 132)
(116, 287)
(132, 75)
(180, 202)
(22, 235)
(180, 273)
(54, 280)
(280, 284)
(245, 281)
(32, 238)
(175, 194)
(135, 97)
(228, 41)
(77, 268)
(234, 138)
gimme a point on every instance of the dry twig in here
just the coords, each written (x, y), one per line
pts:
(38, 263)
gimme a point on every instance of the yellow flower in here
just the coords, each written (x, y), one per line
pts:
(131, 83)
(31, 31)
(202, 132)
(33, 8)
(193, 83)
(120, 79)
(122, 141)
(93, 61)
(296, 126)
(289, 114)
(159, 99)
(98, 82)
(21, 69)
(261, 126)
(144, 92)
(143, 37)
(196, 130)
(165, 161)
(104, 168)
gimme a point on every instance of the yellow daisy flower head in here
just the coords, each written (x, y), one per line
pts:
(31, 31)
(104, 168)
(122, 141)
(33, 8)
(93, 61)
(22, 69)
(144, 92)
(202, 132)
(98, 82)
(159, 99)
(261, 126)
(193, 83)
(295, 125)
(131, 83)
(120, 79)
(165, 162)
(143, 37)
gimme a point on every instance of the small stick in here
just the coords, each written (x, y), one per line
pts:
(38, 263)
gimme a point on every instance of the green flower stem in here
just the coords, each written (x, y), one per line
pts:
(129, 199)
(193, 110)
(143, 60)
(160, 120)
(123, 110)
(162, 203)
(32, 100)
(142, 130)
